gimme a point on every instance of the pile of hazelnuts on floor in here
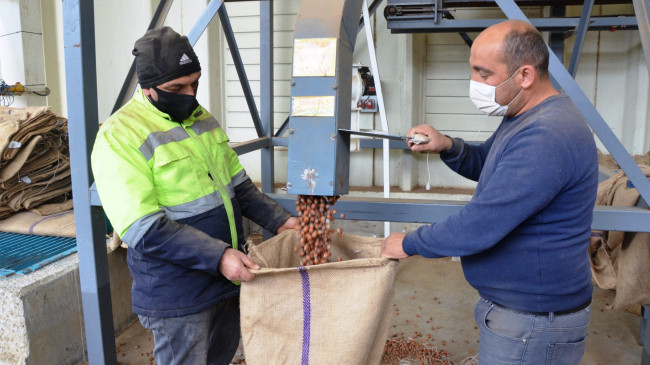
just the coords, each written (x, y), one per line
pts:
(315, 230)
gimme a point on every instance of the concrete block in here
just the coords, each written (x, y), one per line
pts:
(41, 321)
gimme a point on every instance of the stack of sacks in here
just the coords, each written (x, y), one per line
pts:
(34, 159)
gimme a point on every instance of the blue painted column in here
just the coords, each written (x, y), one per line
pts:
(81, 91)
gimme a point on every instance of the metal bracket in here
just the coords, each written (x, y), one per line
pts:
(437, 11)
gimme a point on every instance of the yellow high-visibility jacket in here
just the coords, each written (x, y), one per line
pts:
(175, 193)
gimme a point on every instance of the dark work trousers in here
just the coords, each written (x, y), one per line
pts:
(209, 337)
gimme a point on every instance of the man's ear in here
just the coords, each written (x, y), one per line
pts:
(146, 92)
(528, 76)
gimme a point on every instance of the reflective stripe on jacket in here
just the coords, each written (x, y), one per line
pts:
(175, 193)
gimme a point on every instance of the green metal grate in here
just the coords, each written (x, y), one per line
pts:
(22, 254)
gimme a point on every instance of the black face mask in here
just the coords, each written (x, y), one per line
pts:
(178, 106)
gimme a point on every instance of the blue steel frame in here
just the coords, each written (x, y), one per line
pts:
(314, 140)
(83, 124)
(81, 89)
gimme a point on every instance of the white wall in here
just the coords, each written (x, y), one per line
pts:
(21, 48)
(424, 77)
(118, 24)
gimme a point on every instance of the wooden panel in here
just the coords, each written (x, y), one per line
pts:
(244, 120)
(252, 23)
(447, 38)
(238, 9)
(281, 88)
(245, 24)
(251, 8)
(447, 53)
(251, 56)
(252, 40)
(468, 136)
(442, 70)
(281, 72)
(447, 87)
(440, 175)
(238, 104)
(252, 72)
(463, 122)
(449, 105)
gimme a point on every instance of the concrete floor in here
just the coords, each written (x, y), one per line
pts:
(437, 291)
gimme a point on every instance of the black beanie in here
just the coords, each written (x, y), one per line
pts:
(162, 55)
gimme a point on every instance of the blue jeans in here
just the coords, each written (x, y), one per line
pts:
(208, 337)
(508, 337)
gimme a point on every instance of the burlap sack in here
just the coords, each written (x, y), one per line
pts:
(60, 224)
(54, 207)
(8, 127)
(621, 260)
(13, 167)
(40, 123)
(335, 313)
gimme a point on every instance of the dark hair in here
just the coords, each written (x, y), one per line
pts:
(525, 47)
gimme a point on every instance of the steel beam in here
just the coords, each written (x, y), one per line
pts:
(624, 219)
(581, 33)
(591, 115)
(204, 20)
(426, 25)
(556, 39)
(490, 3)
(371, 9)
(604, 173)
(252, 145)
(642, 11)
(241, 71)
(266, 93)
(81, 91)
(283, 128)
(408, 5)
(645, 335)
(628, 219)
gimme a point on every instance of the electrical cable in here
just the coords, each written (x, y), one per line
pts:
(428, 187)
(6, 96)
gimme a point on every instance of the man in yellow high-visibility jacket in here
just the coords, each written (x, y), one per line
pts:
(176, 193)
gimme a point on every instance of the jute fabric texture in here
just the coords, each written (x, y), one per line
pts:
(34, 159)
(621, 260)
(334, 313)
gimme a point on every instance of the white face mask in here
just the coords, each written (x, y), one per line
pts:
(484, 97)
